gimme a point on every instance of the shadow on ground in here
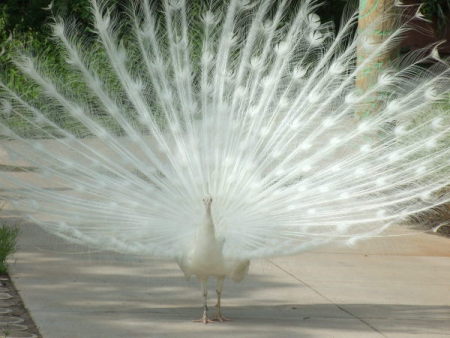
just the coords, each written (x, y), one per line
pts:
(72, 291)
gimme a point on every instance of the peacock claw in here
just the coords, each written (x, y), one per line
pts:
(204, 320)
(220, 318)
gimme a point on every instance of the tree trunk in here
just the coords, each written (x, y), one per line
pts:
(370, 12)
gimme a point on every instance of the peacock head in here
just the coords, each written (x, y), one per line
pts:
(207, 201)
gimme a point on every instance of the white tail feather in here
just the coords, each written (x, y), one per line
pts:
(260, 117)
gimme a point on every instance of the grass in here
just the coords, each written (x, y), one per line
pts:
(8, 237)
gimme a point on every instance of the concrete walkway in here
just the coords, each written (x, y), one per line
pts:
(390, 287)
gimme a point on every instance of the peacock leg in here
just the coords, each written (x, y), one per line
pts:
(219, 287)
(204, 286)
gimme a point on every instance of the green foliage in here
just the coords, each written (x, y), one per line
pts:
(25, 25)
(25, 28)
(333, 10)
(23, 15)
(8, 236)
(437, 11)
(34, 15)
(20, 30)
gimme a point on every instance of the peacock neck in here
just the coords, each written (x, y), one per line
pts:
(207, 228)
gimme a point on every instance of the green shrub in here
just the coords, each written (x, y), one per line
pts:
(8, 236)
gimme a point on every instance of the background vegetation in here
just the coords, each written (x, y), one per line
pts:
(25, 23)
(8, 235)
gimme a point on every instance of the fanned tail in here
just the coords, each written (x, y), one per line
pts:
(250, 103)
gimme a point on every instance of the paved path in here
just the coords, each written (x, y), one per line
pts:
(391, 287)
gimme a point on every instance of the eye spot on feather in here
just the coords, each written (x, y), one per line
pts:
(282, 48)
(394, 106)
(290, 207)
(209, 18)
(360, 172)
(400, 130)
(316, 38)
(328, 122)
(80, 188)
(365, 148)
(311, 211)
(113, 205)
(314, 21)
(421, 170)
(335, 140)
(176, 4)
(393, 157)
(381, 181)
(264, 131)
(436, 123)
(306, 167)
(337, 68)
(344, 195)
(267, 26)
(324, 189)
(363, 126)
(280, 172)
(381, 213)
(336, 168)
(283, 103)
(256, 63)
(385, 79)
(314, 97)
(228, 161)
(305, 146)
(302, 188)
(431, 143)
(351, 98)
(276, 153)
(294, 125)
(369, 43)
(298, 73)
(426, 196)
(431, 94)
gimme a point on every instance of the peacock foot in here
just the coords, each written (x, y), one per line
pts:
(220, 318)
(204, 319)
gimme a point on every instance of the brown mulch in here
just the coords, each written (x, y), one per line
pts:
(444, 230)
(15, 320)
(437, 218)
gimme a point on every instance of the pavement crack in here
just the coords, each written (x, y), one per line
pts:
(340, 307)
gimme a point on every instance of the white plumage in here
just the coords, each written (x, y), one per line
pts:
(204, 258)
(249, 105)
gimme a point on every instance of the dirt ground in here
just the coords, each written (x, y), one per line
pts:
(15, 321)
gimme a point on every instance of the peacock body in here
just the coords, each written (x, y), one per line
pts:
(249, 108)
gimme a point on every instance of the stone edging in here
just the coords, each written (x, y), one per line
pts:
(15, 321)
